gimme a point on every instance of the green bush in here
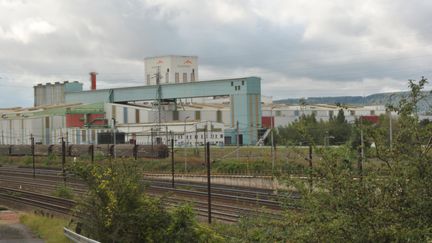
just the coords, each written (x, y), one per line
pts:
(63, 191)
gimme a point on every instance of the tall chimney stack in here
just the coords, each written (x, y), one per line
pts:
(93, 80)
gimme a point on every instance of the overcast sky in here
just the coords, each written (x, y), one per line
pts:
(298, 48)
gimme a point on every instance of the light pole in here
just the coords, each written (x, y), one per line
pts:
(184, 144)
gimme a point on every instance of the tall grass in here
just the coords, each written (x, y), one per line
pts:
(49, 229)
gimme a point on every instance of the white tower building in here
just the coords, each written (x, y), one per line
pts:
(172, 69)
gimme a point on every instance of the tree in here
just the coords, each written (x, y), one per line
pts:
(116, 209)
(392, 203)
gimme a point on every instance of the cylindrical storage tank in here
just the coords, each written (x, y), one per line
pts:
(77, 150)
(20, 150)
(124, 150)
(144, 151)
(42, 149)
(4, 150)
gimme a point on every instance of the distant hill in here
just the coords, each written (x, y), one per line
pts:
(374, 99)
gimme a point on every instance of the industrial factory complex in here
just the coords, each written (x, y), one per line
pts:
(173, 103)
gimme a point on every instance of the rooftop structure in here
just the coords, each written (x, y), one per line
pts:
(171, 69)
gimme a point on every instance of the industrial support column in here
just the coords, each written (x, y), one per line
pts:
(33, 154)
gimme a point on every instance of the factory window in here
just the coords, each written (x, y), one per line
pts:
(125, 115)
(232, 83)
(278, 113)
(221, 136)
(242, 82)
(202, 136)
(238, 87)
(372, 112)
(193, 75)
(177, 78)
(137, 116)
(297, 113)
(184, 77)
(175, 115)
(352, 113)
(47, 122)
(197, 115)
(219, 116)
(83, 136)
(148, 79)
(93, 135)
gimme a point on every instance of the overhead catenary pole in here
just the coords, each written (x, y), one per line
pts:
(172, 162)
(238, 139)
(33, 154)
(196, 139)
(114, 137)
(208, 182)
(92, 153)
(310, 167)
(63, 159)
(272, 141)
(361, 149)
(390, 131)
(184, 144)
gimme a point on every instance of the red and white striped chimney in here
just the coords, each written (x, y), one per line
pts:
(93, 80)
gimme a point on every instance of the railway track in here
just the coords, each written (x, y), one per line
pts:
(228, 207)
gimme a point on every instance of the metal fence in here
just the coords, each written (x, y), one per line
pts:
(74, 237)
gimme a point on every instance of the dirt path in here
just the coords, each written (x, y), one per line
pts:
(12, 231)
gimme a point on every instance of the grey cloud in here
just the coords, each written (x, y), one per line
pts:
(335, 45)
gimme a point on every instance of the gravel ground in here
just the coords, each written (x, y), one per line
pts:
(12, 231)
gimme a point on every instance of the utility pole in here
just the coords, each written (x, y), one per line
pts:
(172, 162)
(208, 181)
(238, 139)
(33, 154)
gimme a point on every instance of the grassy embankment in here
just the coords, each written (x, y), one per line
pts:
(46, 228)
(248, 161)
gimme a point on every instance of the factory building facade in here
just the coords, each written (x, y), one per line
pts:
(171, 69)
(173, 104)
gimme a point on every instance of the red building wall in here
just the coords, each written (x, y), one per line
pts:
(78, 120)
(372, 119)
(267, 121)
